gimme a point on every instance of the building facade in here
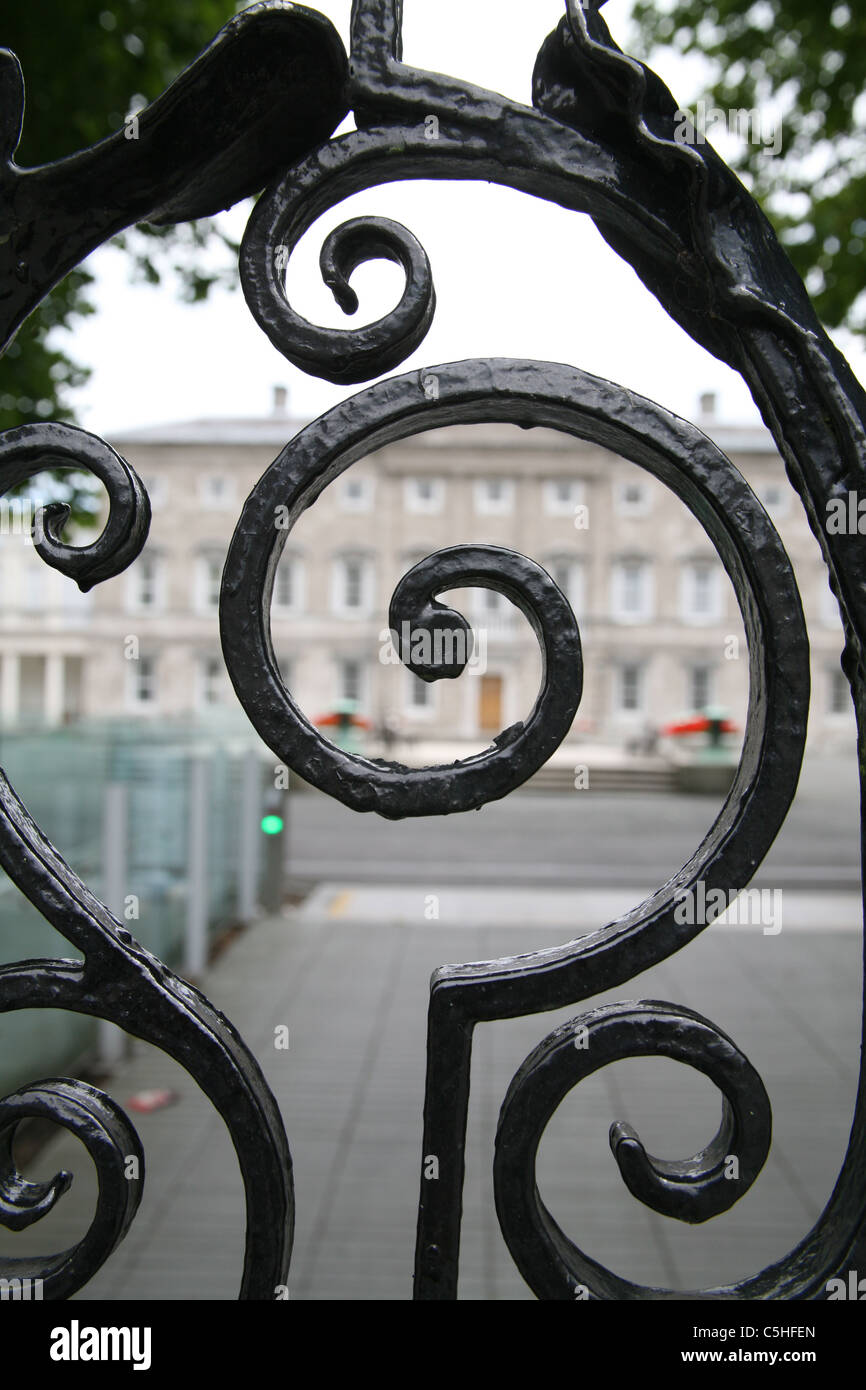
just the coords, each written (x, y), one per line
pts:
(661, 631)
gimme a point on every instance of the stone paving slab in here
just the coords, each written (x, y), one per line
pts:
(566, 909)
(350, 1088)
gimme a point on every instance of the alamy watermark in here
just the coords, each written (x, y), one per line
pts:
(21, 1290)
(444, 646)
(742, 907)
(846, 516)
(754, 126)
(21, 516)
(77, 1343)
(853, 1290)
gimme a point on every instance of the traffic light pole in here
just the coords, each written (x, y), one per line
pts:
(274, 823)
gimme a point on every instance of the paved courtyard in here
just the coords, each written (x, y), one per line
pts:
(348, 974)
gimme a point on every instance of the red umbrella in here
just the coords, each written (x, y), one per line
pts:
(700, 725)
(342, 719)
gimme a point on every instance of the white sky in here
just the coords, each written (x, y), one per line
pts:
(514, 276)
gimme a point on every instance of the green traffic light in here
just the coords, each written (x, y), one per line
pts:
(272, 825)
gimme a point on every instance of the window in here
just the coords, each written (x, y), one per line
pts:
(701, 592)
(353, 583)
(142, 681)
(217, 491)
(568, 575)
(212, 676)
(494, 496)
(420, 695)
(632, 498)
(630, 688)
(356, 494)
(289, 585)
(492, 613)
(829, 604)
(700, 681)
(840, 693)
(561, 496)
(284, 589)
(632, 595)
(776, 497)
(423, 494)
(156, 487)
(351, 681)
(352, 591)
(144, 591)
(208, 579)
(146, 578)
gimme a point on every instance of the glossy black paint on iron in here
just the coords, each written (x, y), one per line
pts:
(393, 410)
(599, 139)
(270, 87)
(694, 1190)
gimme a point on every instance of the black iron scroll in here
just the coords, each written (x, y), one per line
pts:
(599, 139)
(267, 90)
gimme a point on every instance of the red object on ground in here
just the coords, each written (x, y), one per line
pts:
(343, 719)
(146, 1101)
(701, 725)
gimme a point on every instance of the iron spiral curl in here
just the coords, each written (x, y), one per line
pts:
(691, 1190)
(117, 1154)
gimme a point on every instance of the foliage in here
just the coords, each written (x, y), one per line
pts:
(803, 65)
(88, 64)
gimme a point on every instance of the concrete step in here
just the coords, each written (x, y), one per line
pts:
(632, 775)
(626, 777)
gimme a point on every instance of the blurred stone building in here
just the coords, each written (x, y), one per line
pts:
(661, 632)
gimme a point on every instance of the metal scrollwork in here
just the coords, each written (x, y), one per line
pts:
(118, 980)
(558, 397)
(274, 230)
(315, 457)
(112, 1144)
(599, 139)
(692, 1190)
(281, 70)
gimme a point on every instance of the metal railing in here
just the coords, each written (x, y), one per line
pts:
(599, 138)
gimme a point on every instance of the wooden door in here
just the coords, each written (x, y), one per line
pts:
(490, 704)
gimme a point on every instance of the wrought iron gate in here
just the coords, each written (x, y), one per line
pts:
(598, 139)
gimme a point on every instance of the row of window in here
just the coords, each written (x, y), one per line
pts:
(39, 590)
(216, 491)
(629, 689)
(491, 496)
(632, 597)
(143, 685)
(213, 684)
(494, 496)
(355, 493)
(353, 589)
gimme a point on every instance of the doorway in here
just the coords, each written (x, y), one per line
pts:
(490, 704)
